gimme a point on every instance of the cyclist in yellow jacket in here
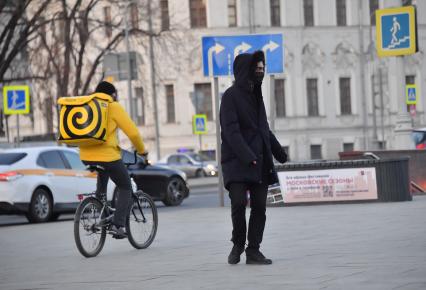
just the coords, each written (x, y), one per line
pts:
(108, 156)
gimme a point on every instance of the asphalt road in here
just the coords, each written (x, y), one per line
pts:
(200, 197)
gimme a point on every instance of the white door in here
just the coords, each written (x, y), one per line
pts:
(85, 180)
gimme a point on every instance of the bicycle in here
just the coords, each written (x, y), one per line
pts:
(93, 220)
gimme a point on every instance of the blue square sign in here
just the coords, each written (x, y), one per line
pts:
(16, 100)
(396, 31)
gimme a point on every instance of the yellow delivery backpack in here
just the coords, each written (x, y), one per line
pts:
(83, 120)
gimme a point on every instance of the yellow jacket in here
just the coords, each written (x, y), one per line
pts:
(110, 150)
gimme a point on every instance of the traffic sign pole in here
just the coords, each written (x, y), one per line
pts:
(16, 101)
(218, 141)
(272, 103)
(396, 36)
(17, 130)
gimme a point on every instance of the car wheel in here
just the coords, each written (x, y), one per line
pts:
(40, 207)
(175, 192)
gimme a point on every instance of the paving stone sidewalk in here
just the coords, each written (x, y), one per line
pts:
(344, 246)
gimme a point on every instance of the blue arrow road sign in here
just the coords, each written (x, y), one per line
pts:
(219, 52)
(396, 33)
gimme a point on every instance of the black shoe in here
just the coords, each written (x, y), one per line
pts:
(255, 257)
(118, 232)
(234, 256)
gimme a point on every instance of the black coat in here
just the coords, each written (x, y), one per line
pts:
(245, 130)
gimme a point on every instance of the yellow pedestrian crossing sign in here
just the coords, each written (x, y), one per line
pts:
(396, 30)
(411, 94)
(16, 100)
(199, 124)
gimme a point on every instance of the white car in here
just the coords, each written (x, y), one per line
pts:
(193, 164)
(43, 182)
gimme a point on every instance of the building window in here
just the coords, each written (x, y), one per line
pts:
(341, 12)
(203, 100)
(170, 103)
(280, 97)
(140, 106)
(165, 18)
(308, 12)
(107, 19)
(316, 152)
(312, 93)
(345, 96)
(232, 13)
(410, 80)
(374, 5)
(275, 12)
(198, 13)
(347, 147)
(134, 16)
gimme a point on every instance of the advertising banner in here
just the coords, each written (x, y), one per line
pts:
(328, 185)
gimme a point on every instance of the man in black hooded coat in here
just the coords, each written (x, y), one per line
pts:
(247, 148)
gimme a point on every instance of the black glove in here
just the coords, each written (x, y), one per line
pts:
(145, 157)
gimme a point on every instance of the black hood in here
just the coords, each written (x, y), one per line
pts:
(244, 66)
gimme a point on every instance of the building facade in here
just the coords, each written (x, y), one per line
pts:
(323, 102)
(334, 95)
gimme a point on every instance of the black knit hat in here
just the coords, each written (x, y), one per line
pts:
(106, 88)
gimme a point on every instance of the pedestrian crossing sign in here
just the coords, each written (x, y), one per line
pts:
(396, 30)
(16, 100)
(411, 94)
(199, 124)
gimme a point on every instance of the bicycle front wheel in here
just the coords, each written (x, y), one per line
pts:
(89, 236)
(142, 221)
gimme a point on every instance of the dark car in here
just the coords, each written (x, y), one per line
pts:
(162, 184)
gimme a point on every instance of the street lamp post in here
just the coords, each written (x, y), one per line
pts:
(153, 86)
(363, 82)
(129, 70)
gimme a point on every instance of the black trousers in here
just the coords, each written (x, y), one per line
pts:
(120, 176)
(238, 195)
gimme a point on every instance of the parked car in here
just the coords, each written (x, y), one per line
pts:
(162, 184)
(193, 164)
(43, 182)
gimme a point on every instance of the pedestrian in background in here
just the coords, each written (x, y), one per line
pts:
(247, 148)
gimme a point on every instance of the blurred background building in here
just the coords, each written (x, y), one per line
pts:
(335, 94)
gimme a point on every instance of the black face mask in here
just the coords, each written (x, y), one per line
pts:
(258, 77)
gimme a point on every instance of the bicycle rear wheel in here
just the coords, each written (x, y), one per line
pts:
(142, 221)
(89, 236)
